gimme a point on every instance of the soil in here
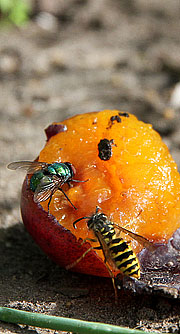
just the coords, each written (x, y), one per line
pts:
(75, 57)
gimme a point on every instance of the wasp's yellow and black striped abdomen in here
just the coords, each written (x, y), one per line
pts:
(124, 257)
(121, 252)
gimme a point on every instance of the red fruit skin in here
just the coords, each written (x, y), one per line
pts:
(55, 240)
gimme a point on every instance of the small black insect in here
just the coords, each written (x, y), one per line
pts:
(115, 118)
(123, 114)
(105, 149)
(112, 120)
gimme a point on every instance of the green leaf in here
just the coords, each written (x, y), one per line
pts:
(5, 5)
(16, 11)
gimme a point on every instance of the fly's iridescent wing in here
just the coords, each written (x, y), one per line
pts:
(46, 188)
(29, 166)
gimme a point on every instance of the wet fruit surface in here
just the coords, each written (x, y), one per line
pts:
(139, 177)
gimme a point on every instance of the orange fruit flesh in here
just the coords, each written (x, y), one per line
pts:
(140, 175)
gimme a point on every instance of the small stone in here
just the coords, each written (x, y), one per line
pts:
(175, 97)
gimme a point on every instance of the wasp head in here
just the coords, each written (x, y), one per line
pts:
(97, 222)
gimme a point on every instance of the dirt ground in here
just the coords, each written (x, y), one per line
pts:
(82, 56)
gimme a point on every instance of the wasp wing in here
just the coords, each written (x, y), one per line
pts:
(46, 189)
(142, 240)
(29, 166)
(106, 251)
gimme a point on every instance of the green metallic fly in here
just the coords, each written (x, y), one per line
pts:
(47, 178)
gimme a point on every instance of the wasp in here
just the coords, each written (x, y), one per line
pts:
(118, 253)
(47, 178)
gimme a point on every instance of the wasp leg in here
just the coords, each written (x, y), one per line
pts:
(113, 283)
(88, 239)
(69, 266)
(84, 254)
(98, 247)
(67, 198)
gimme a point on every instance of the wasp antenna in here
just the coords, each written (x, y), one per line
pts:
(141, 210)
(97, 208)
(78, 220)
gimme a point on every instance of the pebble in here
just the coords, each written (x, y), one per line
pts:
(175, 97)
(9, 62)
(47, 21)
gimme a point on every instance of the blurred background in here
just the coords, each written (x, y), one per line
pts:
(59, 58)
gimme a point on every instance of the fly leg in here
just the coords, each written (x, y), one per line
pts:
(50, 198)
(79, 181)
(67, 198)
